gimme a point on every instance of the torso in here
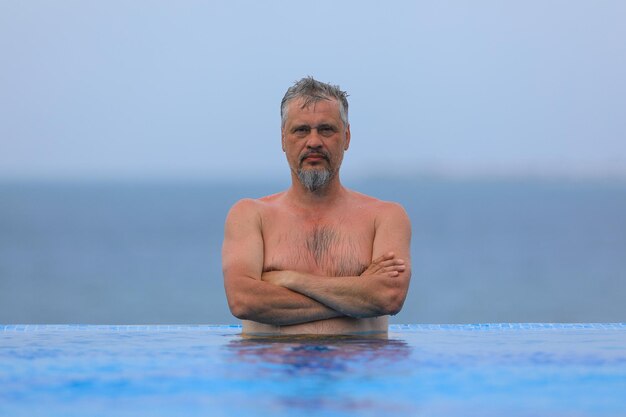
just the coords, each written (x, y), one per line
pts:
(333, 242)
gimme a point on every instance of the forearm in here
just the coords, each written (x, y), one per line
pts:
(266, 303)
(355, 296)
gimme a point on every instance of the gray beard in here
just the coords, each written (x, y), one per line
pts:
(314, 179)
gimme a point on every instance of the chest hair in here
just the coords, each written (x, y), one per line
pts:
(333, 252)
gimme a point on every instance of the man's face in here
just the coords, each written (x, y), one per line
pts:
(314, 139)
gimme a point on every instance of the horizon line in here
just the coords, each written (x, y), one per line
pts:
(433, 175)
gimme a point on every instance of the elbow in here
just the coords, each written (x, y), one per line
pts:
(238, 308)
(239, 301)
(393, 299)
(393, 304)
(239, 312)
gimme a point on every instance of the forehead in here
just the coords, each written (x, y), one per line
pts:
(322, 110)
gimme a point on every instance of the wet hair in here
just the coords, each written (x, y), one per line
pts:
(312, 91)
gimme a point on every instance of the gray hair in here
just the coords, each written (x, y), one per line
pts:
(313, 91)
(314, 179)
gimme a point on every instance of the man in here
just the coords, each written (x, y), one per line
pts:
(317, 258)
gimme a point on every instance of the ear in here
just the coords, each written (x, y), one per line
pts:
(347, 145)
(282, 138)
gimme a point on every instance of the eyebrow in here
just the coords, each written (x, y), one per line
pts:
(321, 125)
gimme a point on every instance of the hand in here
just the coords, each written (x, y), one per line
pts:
(385, 264)
(273, 277)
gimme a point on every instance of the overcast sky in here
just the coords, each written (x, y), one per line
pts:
(162, 89)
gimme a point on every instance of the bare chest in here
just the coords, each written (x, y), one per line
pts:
(333, 248)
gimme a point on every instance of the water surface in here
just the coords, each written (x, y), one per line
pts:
(421, 370)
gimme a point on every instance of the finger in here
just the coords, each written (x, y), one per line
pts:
(384, 257)
(398, 268)
(372, 269)
(392, 262)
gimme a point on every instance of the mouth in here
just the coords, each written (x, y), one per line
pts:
(313, 157)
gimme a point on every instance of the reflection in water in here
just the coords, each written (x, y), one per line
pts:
(318, 373)
(301, 354)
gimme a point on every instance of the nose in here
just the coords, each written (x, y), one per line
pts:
(314, 140)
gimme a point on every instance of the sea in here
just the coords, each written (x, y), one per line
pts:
(148, 252)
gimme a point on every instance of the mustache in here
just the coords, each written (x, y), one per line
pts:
(316, 153)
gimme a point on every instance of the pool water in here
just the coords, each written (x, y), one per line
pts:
(420, 370)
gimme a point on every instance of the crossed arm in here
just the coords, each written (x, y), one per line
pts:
(292, 297)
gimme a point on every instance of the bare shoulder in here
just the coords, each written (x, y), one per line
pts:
(380, 208)
(244, 208)
(245, 211)
(251, 208)
(272, 198)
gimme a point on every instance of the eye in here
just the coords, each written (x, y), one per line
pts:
(326, 130)
(301, 131)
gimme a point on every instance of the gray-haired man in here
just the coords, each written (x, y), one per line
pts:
(317, 258)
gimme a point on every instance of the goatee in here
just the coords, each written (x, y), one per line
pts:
(314, 179)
